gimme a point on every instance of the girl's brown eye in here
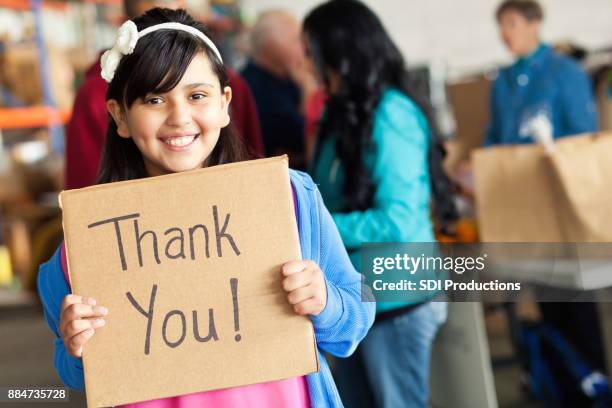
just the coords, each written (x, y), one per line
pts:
(153, 101)
(198, 96)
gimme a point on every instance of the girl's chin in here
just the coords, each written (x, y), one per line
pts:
(182, 168)
(185, 164)
(171, 169)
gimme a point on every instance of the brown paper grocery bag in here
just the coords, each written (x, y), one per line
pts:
(524, 194)
(515, 197)
(582, 169)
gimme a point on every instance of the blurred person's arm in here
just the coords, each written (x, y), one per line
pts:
(464, 177)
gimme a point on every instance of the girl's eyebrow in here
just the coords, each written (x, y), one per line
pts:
(199, 84)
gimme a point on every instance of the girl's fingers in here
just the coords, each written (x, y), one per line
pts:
(297, 280)
(79, 319)
(80, 311)
(72, 299)
(79, 325)
(311, 306)
(293, 267)
(75, 343)
(306, 286)
(76, 311)
(301, 294)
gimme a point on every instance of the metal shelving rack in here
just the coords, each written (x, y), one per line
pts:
(48, 115)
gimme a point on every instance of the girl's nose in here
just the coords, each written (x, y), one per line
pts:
(179, 115)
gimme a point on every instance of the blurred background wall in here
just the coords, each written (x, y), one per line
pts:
(464, 33)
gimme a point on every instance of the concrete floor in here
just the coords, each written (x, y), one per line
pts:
(507, 376)
(26, 355)
(26, 359)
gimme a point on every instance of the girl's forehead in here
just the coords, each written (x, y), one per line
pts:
(199, 70)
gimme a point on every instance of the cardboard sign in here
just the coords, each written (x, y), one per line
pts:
(189, 267)
(524, 194)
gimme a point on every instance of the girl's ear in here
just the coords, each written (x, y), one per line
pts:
(226, 98)
(118, 116)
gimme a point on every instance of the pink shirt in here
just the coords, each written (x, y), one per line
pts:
(292, 392)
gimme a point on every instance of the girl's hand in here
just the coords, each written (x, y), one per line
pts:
(305, 284)
(78, 320)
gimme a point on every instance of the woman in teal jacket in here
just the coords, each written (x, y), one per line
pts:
(378, 166)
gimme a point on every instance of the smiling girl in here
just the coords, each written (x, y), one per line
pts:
(168, 101)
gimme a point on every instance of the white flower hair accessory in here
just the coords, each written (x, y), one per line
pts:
(128, 36)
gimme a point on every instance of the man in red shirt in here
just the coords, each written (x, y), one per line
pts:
(87, 128)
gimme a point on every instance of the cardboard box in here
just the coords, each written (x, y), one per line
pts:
(36, 168)
(32, 233)
(524, 194)
(188, 265)
(21, 73)
(470, 101)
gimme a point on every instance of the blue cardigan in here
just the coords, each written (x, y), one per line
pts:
(338, 328)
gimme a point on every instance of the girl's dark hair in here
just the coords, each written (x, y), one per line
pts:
(346, 37)
(157, 65)
(529, 9)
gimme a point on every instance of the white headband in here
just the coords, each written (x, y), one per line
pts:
(128, 36)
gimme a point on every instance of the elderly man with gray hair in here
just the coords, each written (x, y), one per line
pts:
(280, 83)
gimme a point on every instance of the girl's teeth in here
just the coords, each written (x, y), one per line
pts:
(179, 141)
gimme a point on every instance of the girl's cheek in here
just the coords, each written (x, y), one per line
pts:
(211, 117)
(146, 124)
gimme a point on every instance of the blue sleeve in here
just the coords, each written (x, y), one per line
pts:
(346, 319)
(52, 288)
(578, 110)
(493, 130)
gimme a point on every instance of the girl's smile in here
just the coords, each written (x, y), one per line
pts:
(179, 143)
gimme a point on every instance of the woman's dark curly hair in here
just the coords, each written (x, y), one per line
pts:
(347, 38)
